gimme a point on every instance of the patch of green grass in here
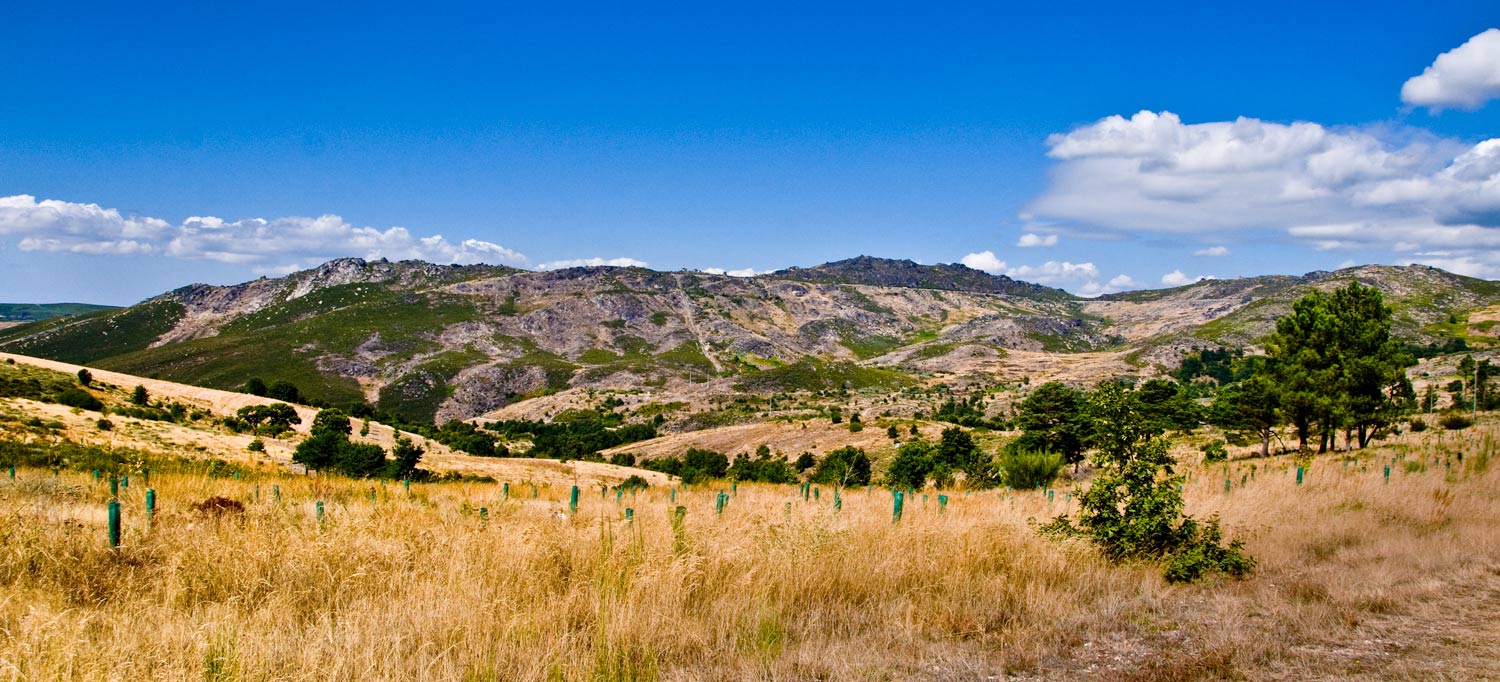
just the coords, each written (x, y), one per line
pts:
(659, 318)
(812, 374)
(632, 345)
(598, 356)
(687, 355)
(934, 350)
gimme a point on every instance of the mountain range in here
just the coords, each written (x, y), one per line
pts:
(428, 341)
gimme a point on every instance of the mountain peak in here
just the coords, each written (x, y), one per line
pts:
(889, 272)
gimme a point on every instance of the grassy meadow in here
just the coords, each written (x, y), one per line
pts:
(1358, 578)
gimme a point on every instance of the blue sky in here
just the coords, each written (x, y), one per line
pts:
(141, 150)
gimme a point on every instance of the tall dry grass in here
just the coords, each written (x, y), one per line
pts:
(418, 586)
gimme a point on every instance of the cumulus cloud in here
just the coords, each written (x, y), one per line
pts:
(1116, 284)
(1399, 191)
(986, 261)
(1212, 251)
(1030, 240)
(266, 246)
(1081, 278)
(1175, 278)
(1464, 77)
(592, 263)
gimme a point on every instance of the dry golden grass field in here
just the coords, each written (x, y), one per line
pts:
(1357, 579)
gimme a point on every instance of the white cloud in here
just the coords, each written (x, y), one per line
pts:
(1175, 278)
(1080, 278)
(1212, 251)
(266, 246)
(1399, 191)
(1055, 272)
(986, 261)
(592, 263)
(1030, 239)
(1466, 76)
(1116, 284)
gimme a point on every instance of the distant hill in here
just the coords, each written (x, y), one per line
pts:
(32, 312)
(884, 272)
(427, 341)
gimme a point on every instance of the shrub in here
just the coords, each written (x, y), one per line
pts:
(140, 396)
(805, 461)
(85, 377)
(256, 445)
(912, 465)
(635, 482)
(1455, 421)
(623, 459)
(1026, 469)
(1215, 452)
(255, 387)
(1134, 508)
(104, 425)
(77, 397)
(1418, 425)
(846, 466)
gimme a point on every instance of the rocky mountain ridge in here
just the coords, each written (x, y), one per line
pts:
(435, 341)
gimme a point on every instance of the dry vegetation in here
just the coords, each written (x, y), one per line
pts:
(1358, 579)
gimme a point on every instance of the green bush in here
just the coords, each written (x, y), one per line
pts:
(256, 445)
(1134, 508)
(105, 425)
(846, 466)
(77, 397)
(1215, 452)
(634, 482)
(1026, 469)
(1455, 421)
(1418, 425)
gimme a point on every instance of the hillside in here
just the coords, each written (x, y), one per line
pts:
(435, 342)
(198, 437)
(12, 314)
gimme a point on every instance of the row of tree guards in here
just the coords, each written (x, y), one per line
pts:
(807, 491)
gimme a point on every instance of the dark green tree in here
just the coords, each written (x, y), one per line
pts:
(140, 396)
(85, 377)
(405, 456)
(332, 420)
(912, 465)
(284, 391)
(1251, 406)
(255, 387)
(1053, 419)
(1338, 367)
(274, 418)
(1166, 403)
